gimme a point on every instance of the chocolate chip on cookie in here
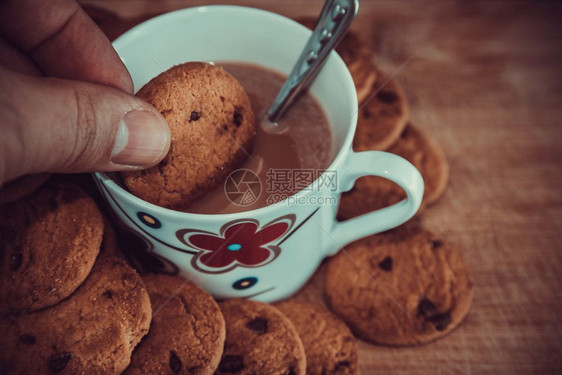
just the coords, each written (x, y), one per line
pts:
(93, 331)
(372, 193)
(49, 242)
(187, 331)
(329, 345)
(422, 296)
(259, 340)
(212, 127)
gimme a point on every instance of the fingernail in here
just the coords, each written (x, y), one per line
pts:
(142, 139)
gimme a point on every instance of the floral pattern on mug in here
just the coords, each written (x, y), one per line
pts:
(240, 243)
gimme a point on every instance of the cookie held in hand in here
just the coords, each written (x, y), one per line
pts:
(212, 128)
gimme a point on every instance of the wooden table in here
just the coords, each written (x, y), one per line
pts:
(484, 79)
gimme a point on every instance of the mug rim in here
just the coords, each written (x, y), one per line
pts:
(341, 154)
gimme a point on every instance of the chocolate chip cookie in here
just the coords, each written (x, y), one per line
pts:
(382, 117)
(93, 331)
(49, 241)
(187, 331)
(403, 287)
(372, 193)
(20, 187)
(329, 345)
(212, 127)
(259, 340)
(357, 56)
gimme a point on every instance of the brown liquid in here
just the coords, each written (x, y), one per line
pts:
(306, 145)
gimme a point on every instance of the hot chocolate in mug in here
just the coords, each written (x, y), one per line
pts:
(267, 253)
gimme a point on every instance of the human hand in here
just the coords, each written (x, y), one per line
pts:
(66, 101)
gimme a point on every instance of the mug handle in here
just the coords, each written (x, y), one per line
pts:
(393, 168)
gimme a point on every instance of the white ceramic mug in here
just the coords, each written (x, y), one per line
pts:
(270, 252)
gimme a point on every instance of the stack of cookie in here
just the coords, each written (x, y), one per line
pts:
(191, 334)
(406, 286)
(64, 307)
(69, 305)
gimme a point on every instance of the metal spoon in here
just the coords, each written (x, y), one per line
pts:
(334, 20)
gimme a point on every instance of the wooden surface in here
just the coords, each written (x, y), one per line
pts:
(484, 79)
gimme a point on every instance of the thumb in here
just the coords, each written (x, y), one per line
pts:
(54, 125)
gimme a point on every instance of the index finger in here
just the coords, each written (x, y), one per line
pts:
(63, 41)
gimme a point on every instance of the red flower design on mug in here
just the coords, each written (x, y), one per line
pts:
(242, 243)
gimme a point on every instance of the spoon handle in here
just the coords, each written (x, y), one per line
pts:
(334, 20)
